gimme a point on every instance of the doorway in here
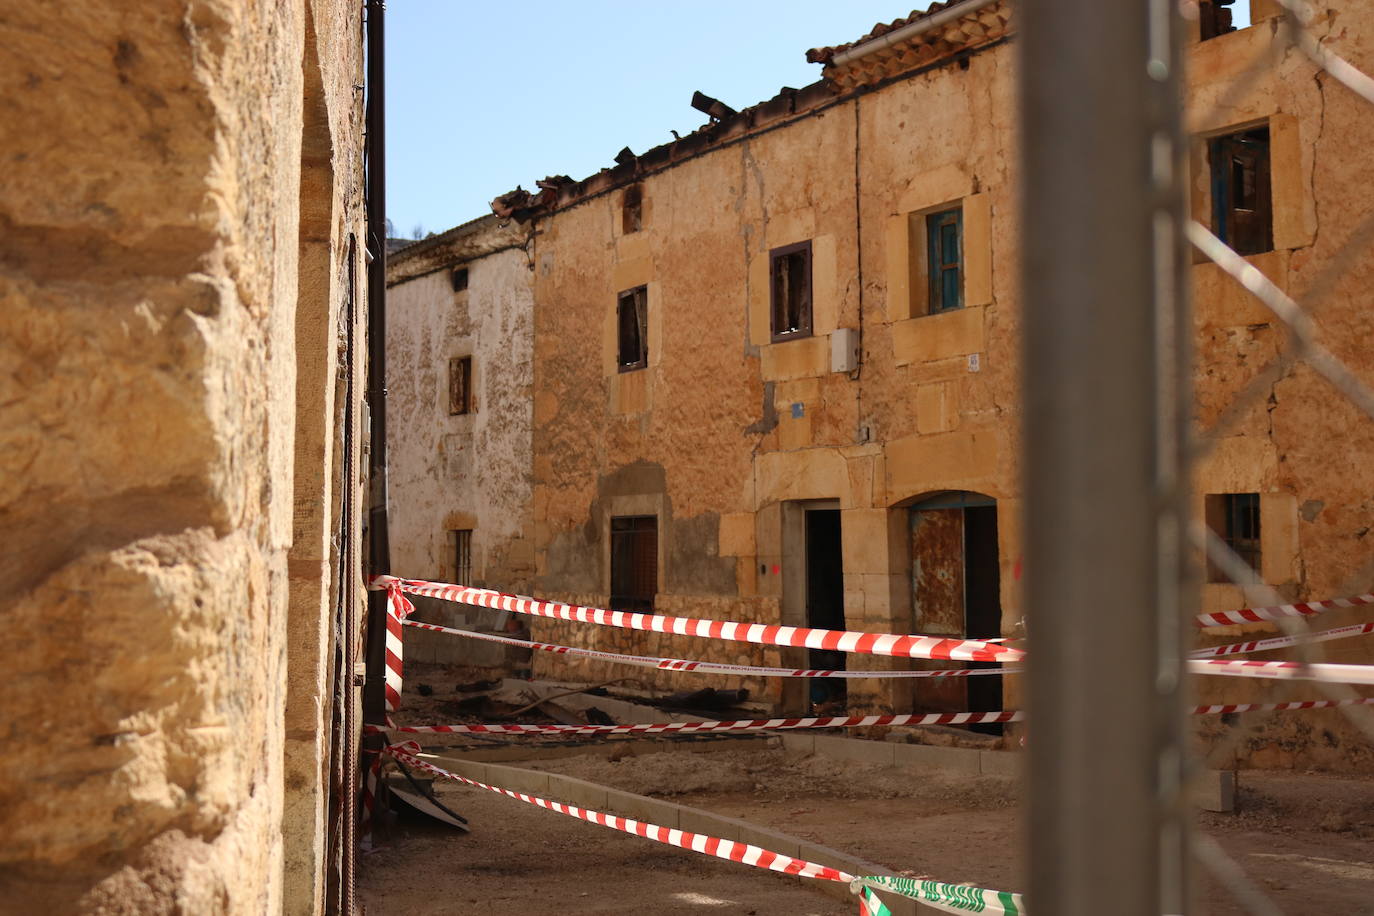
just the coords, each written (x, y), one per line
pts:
(956, 589)
(825, 604)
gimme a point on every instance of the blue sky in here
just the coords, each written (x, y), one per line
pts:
(483, 96)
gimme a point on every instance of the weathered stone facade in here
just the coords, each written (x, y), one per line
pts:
(460, 470)
(728, 436)
(181, 280)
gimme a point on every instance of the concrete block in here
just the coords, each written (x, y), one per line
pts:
(772, 840)
(1010, 764)
(1215, 790)
(695, 820)
(469, 768)
(577, 792)
(961, 760)
(641, 808)
(943, 335)
(856, 749)
(518, 779)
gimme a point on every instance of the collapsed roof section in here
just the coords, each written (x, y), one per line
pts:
(941, 33)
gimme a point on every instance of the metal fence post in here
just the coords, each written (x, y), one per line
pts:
(1106, 330)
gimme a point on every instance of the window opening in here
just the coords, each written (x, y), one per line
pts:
(632, 210)
(944, 259)
(1219, 17)
(790, 296)
(460, 279)
(1235, 517)
(634, 562)
(460, 385)
(460, 548)
(1242, 211)
(632, 308)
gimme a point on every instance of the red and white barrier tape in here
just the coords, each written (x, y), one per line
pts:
(1256, 614)
(696, 842)
(1278, 707)
(1331, 674)
(749, 725)
(682, 664)
(398, 608)
(1283, 642)
(737, 725)
(909, 646)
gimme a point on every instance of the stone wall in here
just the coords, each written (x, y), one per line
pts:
(182, 183)
(466, 471)
(725, 432)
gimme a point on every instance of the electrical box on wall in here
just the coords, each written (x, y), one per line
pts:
(844, 350)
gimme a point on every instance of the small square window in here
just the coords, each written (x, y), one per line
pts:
(1242, 212)
(789, 271)
(632, 210)
(460, 385)
(632, 323)
(1235, 517)
(634, 562)
(460, 279)
(945, 259)
(460, 552)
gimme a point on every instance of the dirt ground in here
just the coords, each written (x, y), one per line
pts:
(1305, 839)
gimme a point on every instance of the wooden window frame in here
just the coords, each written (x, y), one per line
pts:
(938, 262)
(1226, 158)
(460, 386)
(776, 308)
(462, 555)
(1236, 518)
(633, 540)
(638, 299)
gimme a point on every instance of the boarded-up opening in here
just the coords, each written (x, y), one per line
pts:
(956, 588)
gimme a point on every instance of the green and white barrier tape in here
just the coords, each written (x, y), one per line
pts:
(950, 898)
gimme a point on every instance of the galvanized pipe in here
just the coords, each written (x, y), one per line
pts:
(1105, 375)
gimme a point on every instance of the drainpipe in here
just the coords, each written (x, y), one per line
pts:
(910, 30)
(379, 551)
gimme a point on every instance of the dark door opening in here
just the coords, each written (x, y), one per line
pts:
(982, 607)
(956, 588)
(825, 602)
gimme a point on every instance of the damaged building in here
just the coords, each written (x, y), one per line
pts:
(774, 366)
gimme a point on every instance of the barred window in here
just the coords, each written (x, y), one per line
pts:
(460, 549)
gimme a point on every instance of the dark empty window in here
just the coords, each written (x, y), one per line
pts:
(460, 385)
(460, 279)
(944, 259)
(1217, 17)
(790, 277)
(1235, 517)
(1242, 215)
(460, 542)
(634, 562)
(632, 210)
(632, 313)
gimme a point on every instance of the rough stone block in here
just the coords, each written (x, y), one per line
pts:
(800, 745)
(937, 408)
(929, 338)
(794, 359)
(962, 460)
(864, 541)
